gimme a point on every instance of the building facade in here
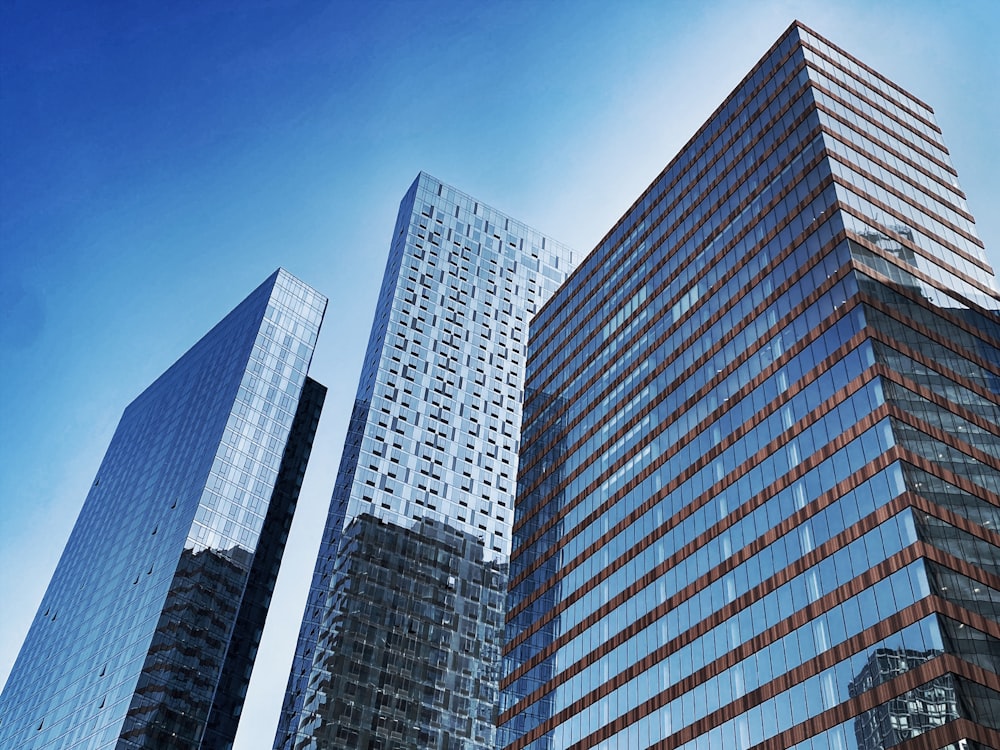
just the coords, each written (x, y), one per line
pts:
(400, 641)
(147, 633)
(760, 470)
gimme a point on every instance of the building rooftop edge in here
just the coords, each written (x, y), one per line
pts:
(424, 175)
(794, 26)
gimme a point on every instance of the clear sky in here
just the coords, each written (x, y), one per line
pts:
(159, 160)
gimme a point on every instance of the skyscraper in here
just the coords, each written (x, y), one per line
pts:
(148, 630)
(400, 640)
(760, 467)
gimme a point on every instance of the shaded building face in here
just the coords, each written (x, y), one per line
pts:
(760, 458)
(147, 633)
(411, 656)
(432, 444)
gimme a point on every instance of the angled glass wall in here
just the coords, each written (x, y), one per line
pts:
(147, 633)
(424, 494)
(759, 486)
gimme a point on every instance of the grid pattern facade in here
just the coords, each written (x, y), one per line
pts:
(760, 458)
(147, 633)
(413, 654)
(432, 443)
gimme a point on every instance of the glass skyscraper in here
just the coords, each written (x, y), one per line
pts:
(759, 480)
(148, 631)
(400, 641)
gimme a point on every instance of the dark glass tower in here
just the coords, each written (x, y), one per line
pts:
(147, 633)
(400, 641)
(760, 468)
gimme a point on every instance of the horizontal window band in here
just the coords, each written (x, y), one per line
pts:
(555, 333)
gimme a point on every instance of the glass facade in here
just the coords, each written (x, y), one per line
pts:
(399, 644)
(147, 633)
(759, 478)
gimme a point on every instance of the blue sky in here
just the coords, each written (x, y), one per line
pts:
(159, 160)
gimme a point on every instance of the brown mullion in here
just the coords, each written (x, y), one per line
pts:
(740, 556)
(774, 263)
(906, 223)
(947, 343)
(761, 497)
(693, 468)
(873, 136)
(691, 211)
(905, 135)
(910, 130)
(830, 132)
(902, 348)
(715, 348)
(681, 478)
(693, 158)
(945, 474)
(950, 517)
(819, 53)
(662, 365)
(821, 661)
(864, 67)
(920, 301)
(932, 431)
(917, 273)
(947, 560)
(922, 209)
(665, 336)
(745, 600)
(886, 691)
(940, 401)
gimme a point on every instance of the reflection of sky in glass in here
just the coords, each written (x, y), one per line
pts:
(736, 545)
(140, 587)
(235, 498)
(160, 157)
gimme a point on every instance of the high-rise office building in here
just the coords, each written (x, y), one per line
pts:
(400, 641)
(760, 466)
(147, 633)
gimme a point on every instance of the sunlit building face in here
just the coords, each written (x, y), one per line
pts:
(400, 641)
(149, 628)
(760, 464)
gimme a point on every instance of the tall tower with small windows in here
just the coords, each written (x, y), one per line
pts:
(148, 631)
(400, 640)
